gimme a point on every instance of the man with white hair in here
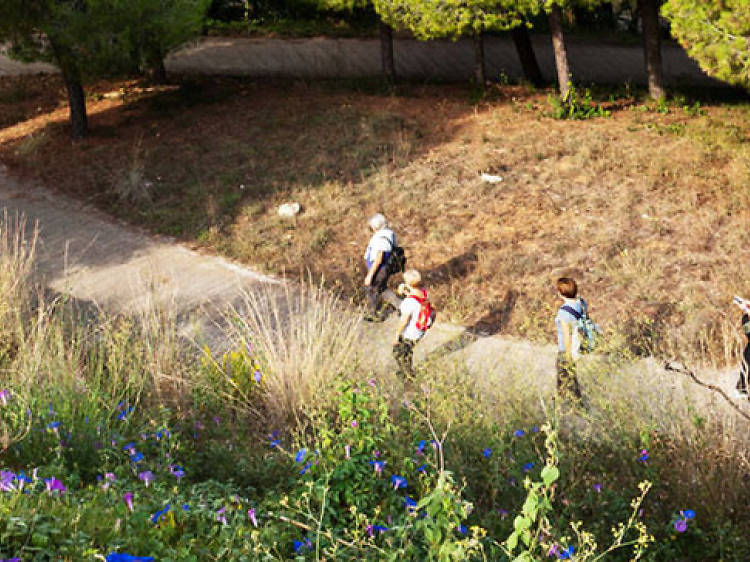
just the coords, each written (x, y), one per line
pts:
(377, 257)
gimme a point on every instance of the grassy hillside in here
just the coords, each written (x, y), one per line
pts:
(648, 208)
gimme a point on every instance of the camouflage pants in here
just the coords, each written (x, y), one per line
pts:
(567, 382)
(403, 351)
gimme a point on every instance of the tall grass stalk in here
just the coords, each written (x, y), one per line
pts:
(304, 337)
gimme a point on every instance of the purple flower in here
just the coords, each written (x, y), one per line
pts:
(251, 516)
(487, 453)
(680, 525)
(354, 423)
(688, 514)
(217, 420)
(598, 488)
(519, 433)
(534, 429)
(4, 396)
(301, 454)
(199, 425)
(146, 476)
(371, 382)
(220, 517)
(53, 484)
(258, 376)
(503, 513)
(644, 456)
(6, 481)
(156, 516)
(347, 451)
(177, 471)
(398, 481)
(554, 550)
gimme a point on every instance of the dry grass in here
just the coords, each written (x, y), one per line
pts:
(649, 211)
(305, 339)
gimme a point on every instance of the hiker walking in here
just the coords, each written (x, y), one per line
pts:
(743, 384)
(379, 259)
(417, 315)
(568, 340)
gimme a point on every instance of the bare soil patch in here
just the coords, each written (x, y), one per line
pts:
(649, 210)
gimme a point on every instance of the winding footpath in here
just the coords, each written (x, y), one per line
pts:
(95, 260)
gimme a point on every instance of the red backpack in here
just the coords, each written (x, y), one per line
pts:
(426, 313)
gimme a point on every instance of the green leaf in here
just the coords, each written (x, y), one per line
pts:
(550, 474)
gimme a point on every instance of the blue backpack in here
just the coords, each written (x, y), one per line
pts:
(588, 331)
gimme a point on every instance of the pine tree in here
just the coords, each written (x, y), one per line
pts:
(430, 19)
(89, 39)
(716, 33)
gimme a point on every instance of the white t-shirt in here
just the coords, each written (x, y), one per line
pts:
(382, 241)
(411, 306)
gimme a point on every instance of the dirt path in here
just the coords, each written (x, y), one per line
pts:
(591, 61)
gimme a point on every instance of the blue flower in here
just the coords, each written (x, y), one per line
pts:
(420, 446)
(644, 456)
(304, 543)
(275, 443)
(487, 453)
(688, 514)
(305, 468)
(125, 557)
(422, 468)
(300, 455)
(53, 425)
(567, 553)
(156, 516)
(137, 457)
(534, 429)
(129, 447)
(519, 433)
(124, 413)
(409, 503)
(398, 481)
(378, 466)
(528, 466)
(461, 529)
(185, 507)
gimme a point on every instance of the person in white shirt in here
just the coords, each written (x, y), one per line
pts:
(416, 318)
(377, 256)
(568, 342)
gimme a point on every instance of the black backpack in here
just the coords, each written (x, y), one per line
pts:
(396, 260)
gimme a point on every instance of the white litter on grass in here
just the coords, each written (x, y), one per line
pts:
(289, 210)
(489, 178)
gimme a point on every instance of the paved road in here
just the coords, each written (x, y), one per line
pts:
(591, 61)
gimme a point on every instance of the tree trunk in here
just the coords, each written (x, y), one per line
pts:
(526, 55)
(561, 54)
(79, 126)
(649, 10)
(480, 77)
(386, 51)
(157, 70)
